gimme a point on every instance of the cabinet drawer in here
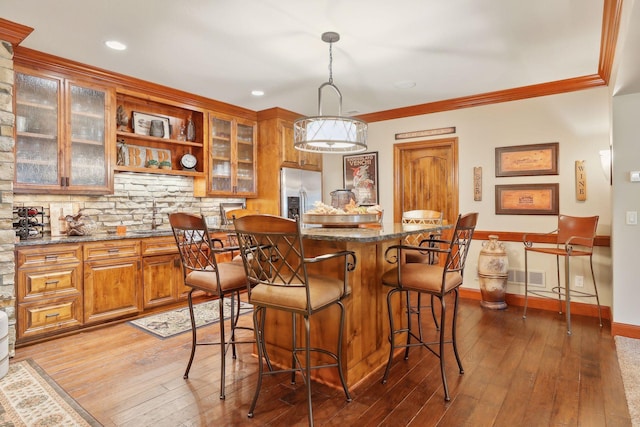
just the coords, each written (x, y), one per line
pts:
(46, 282)
(111, 249)
(48, 255)
(159, 246)
(49, 316)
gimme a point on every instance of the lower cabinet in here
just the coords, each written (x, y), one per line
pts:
(162, 279)
(62, 287)
(111, 289)
(49, 290)
(111, 280)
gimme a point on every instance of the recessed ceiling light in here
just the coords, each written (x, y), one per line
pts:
(406, 84)
(115, 45)
(257, 92)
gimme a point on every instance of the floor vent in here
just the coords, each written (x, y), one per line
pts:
(536, 278)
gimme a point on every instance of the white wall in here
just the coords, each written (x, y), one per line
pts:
(579, 121)
(625, 239)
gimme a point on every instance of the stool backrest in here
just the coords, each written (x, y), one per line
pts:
(577, 230)
(460, 242)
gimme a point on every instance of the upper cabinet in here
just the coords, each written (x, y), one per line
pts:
(157, 135)
(63, 129)
(295, 158)
(275, 135)
(232, 156)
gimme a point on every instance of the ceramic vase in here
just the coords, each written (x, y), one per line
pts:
(493, 267)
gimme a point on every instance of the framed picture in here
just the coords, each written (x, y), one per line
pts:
(142, 123)
(360, 175)
(527, 199)
(525, 160)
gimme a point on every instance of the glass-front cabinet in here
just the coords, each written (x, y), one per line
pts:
(62, 133)
(232, 156)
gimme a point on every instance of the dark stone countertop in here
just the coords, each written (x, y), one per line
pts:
(385, 231)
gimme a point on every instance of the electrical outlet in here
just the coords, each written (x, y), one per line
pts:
(579, 282)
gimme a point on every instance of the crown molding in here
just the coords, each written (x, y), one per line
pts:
(12, 32)
(608, 40)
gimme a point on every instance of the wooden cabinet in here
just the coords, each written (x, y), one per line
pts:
(63, 130)
(64, 287)
(112, 280)
(49, 290)
(232, 156)
(275, 136)
(162, 280)
(135, 146)
(290, 156)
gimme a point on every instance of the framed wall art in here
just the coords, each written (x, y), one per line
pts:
(527, 199)
(142, 123)
(360, 175)
(525, 160)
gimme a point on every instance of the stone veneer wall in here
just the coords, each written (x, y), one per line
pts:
(132, 202)
(7, 236)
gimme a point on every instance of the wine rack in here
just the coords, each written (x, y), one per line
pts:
(28, 222)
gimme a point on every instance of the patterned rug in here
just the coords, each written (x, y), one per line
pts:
(29, 397)
(170, 323)
(628, 350)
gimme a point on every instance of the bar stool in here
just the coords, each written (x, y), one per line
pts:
(434, 280)
(274, 259)
(420, 218)
(203, 273)
(575, 236)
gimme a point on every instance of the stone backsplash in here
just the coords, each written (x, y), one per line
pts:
(136, 196)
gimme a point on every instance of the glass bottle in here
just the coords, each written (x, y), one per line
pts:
(191, 130)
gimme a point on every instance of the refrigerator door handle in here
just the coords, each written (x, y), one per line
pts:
(303, 202)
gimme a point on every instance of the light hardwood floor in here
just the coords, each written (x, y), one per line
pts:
(517, 373)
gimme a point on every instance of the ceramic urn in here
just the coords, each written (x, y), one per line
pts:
(493, 267)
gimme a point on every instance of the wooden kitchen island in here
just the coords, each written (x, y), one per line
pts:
(365, 342)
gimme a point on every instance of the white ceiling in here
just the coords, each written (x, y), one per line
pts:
(224, 49)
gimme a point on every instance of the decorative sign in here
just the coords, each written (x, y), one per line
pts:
(527, 199)
(524, 160)
(360, 175)
(477, 184)
(137, 156)
(581, 181)
(429, 132)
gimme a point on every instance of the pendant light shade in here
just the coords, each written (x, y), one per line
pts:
(330, 134)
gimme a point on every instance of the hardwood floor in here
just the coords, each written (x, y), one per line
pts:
(517, 373)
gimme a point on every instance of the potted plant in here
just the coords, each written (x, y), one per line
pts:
(153, 164)
(165, 164)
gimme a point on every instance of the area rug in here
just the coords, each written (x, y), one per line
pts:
(628, 350)
(170, 323)
(29, 397)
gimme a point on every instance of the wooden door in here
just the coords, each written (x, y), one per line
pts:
(426, 177)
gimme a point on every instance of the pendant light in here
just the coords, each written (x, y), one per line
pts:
(330, 134)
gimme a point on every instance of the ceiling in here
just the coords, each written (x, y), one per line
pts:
(225, 49)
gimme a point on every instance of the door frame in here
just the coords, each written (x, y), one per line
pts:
(400, 148)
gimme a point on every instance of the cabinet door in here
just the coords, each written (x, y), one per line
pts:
(221, 151)
(232, 157)
(245, 159)
(38, 122)
(112, 288)
(162, 279)
(62, 129)
(296, 158)
(86, 153)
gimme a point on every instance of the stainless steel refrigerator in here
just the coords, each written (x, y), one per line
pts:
(300, 190)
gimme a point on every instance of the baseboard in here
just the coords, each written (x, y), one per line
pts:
(631, 331)
(577, 308)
